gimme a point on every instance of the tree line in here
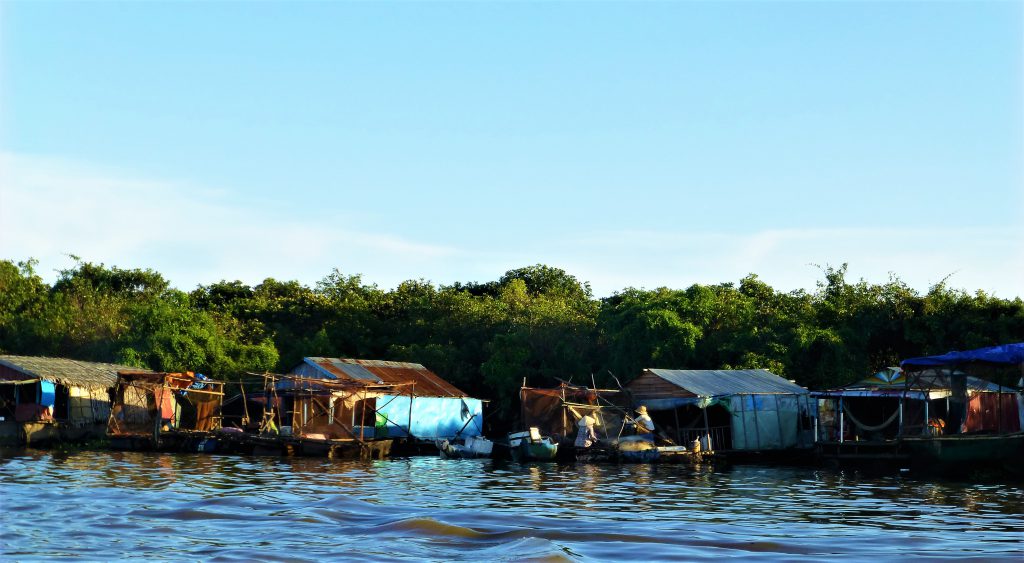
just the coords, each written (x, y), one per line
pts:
(537, 322)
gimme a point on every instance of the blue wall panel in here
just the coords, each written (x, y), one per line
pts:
(432, 417)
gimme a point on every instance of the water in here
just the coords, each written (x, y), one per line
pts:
(110, 506)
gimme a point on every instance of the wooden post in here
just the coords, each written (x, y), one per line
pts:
(675, 414)
(565, 423)
(522, 403)
(999, 408)
(159, 397)
(707, 430)
(841, 421)
(927, 419)
(900, 427)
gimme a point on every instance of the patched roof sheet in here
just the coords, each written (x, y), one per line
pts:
(720, 382)
(427, 383)
(65, 371)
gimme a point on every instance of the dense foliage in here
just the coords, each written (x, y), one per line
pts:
(537, 322)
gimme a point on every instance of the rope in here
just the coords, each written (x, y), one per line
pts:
(862, 426)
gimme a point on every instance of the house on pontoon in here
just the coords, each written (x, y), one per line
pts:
(418, 406)
(935, 414)
(750, 410)
(164, 411)
(54, 399)
(887, 405)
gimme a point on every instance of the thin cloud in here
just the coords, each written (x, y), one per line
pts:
(52, 207)
(990, 259)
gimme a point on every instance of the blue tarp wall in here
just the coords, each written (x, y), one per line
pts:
(769, 422)
(432, 417)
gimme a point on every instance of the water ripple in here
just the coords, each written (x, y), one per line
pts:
(112, 505)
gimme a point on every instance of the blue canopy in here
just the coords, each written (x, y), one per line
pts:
(1006, 354)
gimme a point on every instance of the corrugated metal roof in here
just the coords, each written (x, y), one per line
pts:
(720, 382)
(427, 383)
(65, 371)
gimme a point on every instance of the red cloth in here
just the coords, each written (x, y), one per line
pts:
(31, 412)
(985, 413)
(166, 399)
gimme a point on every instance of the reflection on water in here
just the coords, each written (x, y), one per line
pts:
(112, 505)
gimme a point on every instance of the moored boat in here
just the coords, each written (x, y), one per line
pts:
(464, 448)
(531, 446)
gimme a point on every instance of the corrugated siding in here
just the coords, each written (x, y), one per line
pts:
(649, 386)
(716, 383)
(72, 373)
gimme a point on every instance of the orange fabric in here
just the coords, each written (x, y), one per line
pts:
(992, 412)
(165, 399)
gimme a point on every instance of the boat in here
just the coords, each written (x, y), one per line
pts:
(531, 446)
(465, 448)
(636, 449)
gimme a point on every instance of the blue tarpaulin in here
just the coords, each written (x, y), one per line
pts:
(47, 393)
(1006, 354)
(432, 417)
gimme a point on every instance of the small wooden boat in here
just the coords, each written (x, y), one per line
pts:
(465, 448)
(531, 446)
(635, 449)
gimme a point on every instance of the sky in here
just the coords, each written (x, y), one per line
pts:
(640, 144)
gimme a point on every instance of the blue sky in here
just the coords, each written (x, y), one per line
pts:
(632, 144)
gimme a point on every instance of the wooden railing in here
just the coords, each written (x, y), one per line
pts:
(720, 436)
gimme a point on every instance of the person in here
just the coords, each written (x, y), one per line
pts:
(586, 436)
(644, 424)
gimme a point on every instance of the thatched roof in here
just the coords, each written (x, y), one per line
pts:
(73, 373)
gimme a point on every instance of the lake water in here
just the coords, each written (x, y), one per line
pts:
(98, 505)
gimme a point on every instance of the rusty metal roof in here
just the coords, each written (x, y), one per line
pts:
(73, 373)
(722, 382)
(426, 383)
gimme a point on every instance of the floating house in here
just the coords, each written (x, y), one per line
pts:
(53, 399)
(934, 414)
(982, 429)
(887, 404)
(165, 411)
(296, 415)
(418, 408)
(727, 410)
